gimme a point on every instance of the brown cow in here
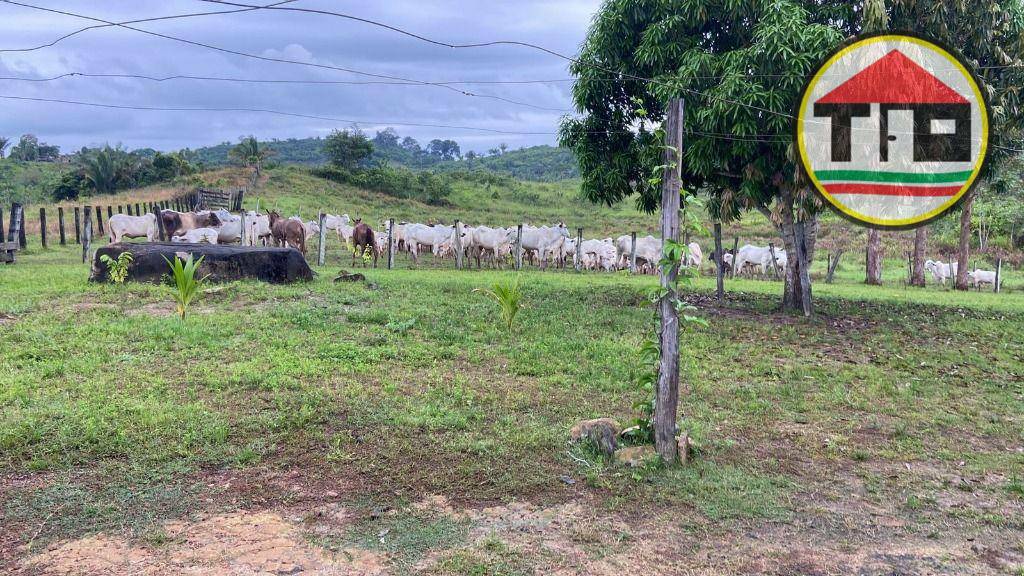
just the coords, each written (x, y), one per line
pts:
(177, 223)
(363, 239)
(286, 232)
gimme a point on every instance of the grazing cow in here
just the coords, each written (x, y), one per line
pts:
(940, 270)
(490, 243)
(287, 232)
(758, 259)
(437, 238)
(177, 223)
(309, 227)
(599, 254)
(123, 226)
(979, 277)
(363, 239)
(198, 236)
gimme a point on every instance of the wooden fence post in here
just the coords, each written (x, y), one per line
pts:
(110, 213)
(161, 230)
(999, 273)
(87, 234)
(138, 212)
(720, 272)
(42, 226)
(321, 248)
(579, 249)
(22, 241)
(60, 224)
(457, 245)
(735, 250)
(78, 226)
(519, 246)
(3, 232)
(633, 252)
(242, 240)
(14, 231)
(99, 220)
(391, 243)
(775, 262)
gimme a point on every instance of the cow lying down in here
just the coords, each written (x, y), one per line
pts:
(197, 236)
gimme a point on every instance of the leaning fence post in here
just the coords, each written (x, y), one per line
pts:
(999, 272)
(391, 243)
(458, 244)
(519, 246)
(632, 252)
(42, 226)
(87, 234)
(321, 248)
(579, 262)
(78, 226)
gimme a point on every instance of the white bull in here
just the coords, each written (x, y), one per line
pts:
(979, 277)
(546, 240)
(490, 244)
(257, 228)
(122, 226)
(940, 270)
(230, 229)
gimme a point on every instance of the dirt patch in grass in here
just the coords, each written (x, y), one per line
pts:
(234, 543)
(7, 318)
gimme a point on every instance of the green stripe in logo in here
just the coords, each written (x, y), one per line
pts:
(895, 177)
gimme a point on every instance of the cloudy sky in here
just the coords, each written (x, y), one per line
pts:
(303, 37)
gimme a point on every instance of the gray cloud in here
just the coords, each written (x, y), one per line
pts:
(560, 26)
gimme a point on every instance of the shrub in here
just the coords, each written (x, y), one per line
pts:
(394, 181)
(186, 285)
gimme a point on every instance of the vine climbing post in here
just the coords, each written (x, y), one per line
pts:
(667, 398)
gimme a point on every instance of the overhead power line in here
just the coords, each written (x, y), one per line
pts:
(271, 58)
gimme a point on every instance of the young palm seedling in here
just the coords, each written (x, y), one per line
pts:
(186, 285)
(509, 298)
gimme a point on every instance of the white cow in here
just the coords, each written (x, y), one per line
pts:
(695, 257)
(230, 229)
(940, 270)
(341, 225)
(124, 226)
(758, 258)
(546, 240)
(979, 277)
(490, 243)
(198, 235)
(309, 227)
(599, 254)
(437, 239)
(257, 228)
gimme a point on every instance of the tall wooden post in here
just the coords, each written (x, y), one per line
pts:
(457, 244)
(3, 231)
(999, 273)
(99, 220)
(78, 226)
(667, 396)
(22, 241)
(775, 262)
(242, 241)
(632, 252)
(86, 234)
(391, 243)
(162, 233)
(720, 272)
(110, 213)
(579, 249)
(60, 225)
(735, 251)
(321, 247)
(519, 246)
(42, 226)
(15, 226)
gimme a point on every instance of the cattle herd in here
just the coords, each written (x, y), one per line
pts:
(484, 245)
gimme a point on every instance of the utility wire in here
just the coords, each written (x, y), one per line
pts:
(271, 58)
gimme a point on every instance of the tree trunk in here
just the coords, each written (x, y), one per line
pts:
(667, 397)
(873, 264)
(793, 291)
(920, 247)
(963, 250)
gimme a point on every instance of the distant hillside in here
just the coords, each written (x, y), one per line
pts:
(542, 163)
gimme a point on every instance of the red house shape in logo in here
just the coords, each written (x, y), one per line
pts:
(895, 82)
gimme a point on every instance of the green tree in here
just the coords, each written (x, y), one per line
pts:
(106, 169)
(989, 36)
(4, 143)
(740, 66)
(250, 153)
(386, 138)
(27, 148)
(347, 149)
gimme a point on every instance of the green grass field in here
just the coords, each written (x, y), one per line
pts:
(890, 422)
